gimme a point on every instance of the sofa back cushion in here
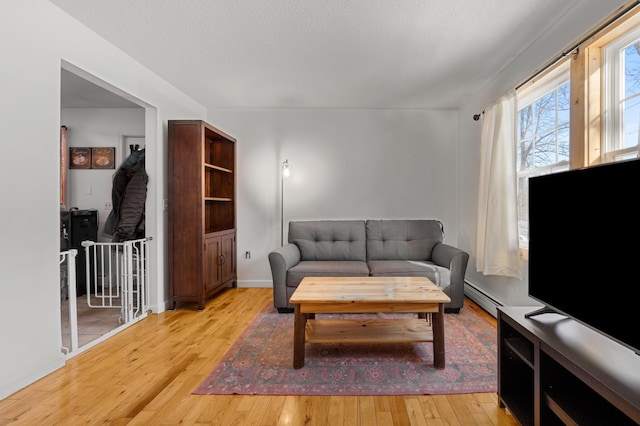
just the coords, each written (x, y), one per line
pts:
(329, 239)
(402, 239)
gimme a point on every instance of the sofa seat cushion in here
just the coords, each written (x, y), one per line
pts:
(326, 268)
(439, 275)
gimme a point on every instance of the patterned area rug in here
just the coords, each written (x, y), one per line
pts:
(260, 362)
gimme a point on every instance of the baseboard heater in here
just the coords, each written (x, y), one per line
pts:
(481, 298)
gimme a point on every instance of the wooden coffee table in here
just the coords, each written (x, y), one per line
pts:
(316, 295)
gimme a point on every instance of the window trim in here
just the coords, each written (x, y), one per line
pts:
(590, 103)
(613, 74)
(534, 90)
(587, 79)
(548, 81)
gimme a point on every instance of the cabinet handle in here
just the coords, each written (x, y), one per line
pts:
(224, 258)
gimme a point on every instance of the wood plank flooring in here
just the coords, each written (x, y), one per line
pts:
(145, 374)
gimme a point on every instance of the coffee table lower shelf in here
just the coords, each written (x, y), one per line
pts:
(368, 331)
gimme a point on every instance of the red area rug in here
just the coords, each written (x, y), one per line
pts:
(260, 362)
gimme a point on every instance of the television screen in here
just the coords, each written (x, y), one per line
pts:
(584, 246)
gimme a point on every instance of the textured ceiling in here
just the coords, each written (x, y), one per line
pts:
(322, 54)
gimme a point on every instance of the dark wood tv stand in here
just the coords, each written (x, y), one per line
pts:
(554, 370)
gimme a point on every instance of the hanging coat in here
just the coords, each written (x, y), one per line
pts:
(128, 197)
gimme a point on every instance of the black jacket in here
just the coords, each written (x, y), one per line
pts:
(128, 197)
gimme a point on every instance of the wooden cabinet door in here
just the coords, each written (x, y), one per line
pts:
(212, 261)
(228, 266)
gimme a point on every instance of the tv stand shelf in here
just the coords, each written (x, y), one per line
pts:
(553, 370)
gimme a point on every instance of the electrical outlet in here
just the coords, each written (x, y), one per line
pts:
(108, 205)
(247, 254)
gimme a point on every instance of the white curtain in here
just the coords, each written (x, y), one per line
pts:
(498, 250)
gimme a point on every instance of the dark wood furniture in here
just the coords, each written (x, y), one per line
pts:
(202, 211)
(553, 370)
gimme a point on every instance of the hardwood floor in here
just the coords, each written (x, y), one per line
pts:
(145, 374)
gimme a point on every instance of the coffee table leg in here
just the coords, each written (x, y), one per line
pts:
(299, 324)
(438, 338)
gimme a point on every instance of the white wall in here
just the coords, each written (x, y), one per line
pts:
(572, 26)
(36, 37)
(345, 164)
(98, 127)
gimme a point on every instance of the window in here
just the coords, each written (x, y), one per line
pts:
(542, 135)
(583, 110)
(622, 96)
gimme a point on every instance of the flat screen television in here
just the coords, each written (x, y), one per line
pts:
(584, 247)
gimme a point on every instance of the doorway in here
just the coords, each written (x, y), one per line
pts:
(97, 116)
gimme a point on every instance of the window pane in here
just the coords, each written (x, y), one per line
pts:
(545, 150)
(525, 122)
(631, 121)
(563, 143)
(550, 134)
(523, 152)
(564, 101)
(526, 157)
(622, 86)
(545, 108)
(632, 70)
(543, 144)
(518, 155)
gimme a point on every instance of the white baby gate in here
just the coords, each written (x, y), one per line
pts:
(68, 292)
(117, 278)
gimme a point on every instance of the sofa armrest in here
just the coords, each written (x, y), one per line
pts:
(281, 260)
(456, 261)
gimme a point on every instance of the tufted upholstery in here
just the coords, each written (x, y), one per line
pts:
(402, 239)
(326, 248)
(329, 239)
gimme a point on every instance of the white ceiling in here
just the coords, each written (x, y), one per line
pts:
(77, 92)
(322, 53)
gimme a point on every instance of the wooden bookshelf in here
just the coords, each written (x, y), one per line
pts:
(202, 211)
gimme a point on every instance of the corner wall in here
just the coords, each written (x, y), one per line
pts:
(36, 38)
(567, 30)
(345, 164)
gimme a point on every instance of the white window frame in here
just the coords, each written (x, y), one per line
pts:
(613, 77)
(527, 95)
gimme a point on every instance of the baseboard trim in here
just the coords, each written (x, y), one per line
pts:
(255, 284)
(481, 298)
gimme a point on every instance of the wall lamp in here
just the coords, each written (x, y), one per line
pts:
(284, 173)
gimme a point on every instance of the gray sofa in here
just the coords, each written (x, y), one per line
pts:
(358, 248)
